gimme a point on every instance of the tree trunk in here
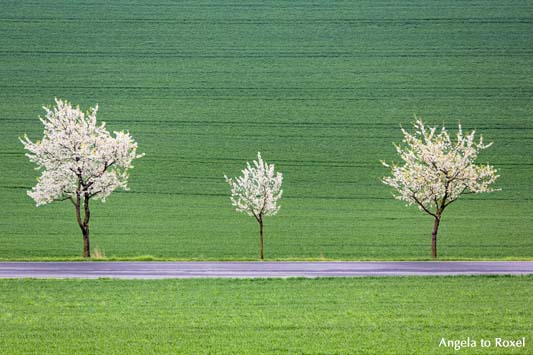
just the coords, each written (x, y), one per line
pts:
(86, 242)
(84, 223)
(434, 237)
(261, 239)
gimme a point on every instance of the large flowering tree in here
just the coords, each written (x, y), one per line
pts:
(79, 161)
(256, 192)
(437, 170)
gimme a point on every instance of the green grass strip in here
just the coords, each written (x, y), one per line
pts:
(264, 316)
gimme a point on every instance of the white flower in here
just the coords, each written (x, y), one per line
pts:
(257, 191)
(436, 170)
(78, 158)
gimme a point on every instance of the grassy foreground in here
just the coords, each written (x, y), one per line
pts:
(275, 316)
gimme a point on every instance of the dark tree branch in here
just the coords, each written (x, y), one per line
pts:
(258, 217)
(91, 179)
(424, 207)
(455, 199)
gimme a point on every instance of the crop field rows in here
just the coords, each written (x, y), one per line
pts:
(320, 88)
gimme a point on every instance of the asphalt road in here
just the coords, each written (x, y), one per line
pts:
(161, 270)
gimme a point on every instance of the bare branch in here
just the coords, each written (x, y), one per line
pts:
(423, 207)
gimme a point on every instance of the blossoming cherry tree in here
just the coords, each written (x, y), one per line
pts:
(256, 192)
(437, 170)
(80, 160)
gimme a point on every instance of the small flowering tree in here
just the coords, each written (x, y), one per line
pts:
(436, 170)
(79, 160)
(257, 192)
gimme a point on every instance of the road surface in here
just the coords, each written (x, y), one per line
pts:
(162, 270)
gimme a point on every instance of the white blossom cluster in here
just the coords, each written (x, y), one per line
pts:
(257, 190)
(436, 170)
(78, 157)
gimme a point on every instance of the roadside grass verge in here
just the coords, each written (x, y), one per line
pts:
(263, 316)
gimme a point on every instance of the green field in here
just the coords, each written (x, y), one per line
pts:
(292, 316)
(319, 87)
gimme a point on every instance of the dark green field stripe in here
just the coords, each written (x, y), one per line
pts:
(279, 21)
(268, 55)
(294, 196)
(368, 125)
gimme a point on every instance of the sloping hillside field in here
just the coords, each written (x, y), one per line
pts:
(319, 87)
